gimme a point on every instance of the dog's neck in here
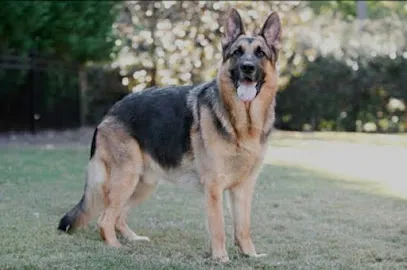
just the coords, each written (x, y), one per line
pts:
(250, 120)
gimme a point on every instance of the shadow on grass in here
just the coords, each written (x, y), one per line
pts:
(319, 215)
(300, 218)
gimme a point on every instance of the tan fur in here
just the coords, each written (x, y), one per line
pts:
(123, 178)
(123, 163)
(219, 165)
(234, 166)
(121, 175)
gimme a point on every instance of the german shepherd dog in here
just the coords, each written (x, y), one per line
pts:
(214, 134)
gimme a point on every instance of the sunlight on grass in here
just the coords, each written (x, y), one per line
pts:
(382, 165)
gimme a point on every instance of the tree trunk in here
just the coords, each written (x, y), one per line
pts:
(152, 49)
(33, 91)
(361, 10)
(83, 86)
(361, 13)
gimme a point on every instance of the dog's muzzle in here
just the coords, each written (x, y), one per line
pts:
(247, 85)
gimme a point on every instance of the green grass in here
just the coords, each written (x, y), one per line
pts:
(302, 219)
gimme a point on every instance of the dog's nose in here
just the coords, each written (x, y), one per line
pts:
(247, 67)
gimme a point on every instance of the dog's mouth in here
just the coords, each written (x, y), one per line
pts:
(247, 89)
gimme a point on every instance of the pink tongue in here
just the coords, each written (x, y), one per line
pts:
(246, 90)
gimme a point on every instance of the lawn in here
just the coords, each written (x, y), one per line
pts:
(303, 218)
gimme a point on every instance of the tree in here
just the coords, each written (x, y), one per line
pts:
(74, 31)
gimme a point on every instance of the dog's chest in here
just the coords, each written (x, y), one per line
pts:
(231, 162)
(242, 163)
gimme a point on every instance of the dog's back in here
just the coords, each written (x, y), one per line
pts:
(159, 119)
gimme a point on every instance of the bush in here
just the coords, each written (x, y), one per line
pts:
(353, 86)
(33, 99)
(104, 89)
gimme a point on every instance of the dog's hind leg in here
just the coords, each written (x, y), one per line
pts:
(142, 192)
(126, 165)
(124, 182)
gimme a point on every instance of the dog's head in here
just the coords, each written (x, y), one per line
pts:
(248, 60)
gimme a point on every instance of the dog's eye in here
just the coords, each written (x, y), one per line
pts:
(238, 52)
(260, 53)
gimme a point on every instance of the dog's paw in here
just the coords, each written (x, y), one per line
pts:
(222, 259)
(256, 255)
(259, 255)
(114, 244)
(139, 238)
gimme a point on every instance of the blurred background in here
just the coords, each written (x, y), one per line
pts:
(343, 64)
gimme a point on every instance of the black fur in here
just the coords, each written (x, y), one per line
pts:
(207, 97)
(93, 145)
(232, 31)
(66, 224)
(266, 134)
(160, 120)
(250, 39)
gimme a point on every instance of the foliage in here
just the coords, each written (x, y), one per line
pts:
(39, 100)
(351, 80)
(336, 73)
(104, 89)
(347, 9)
(69, 31)
(178, 42)
(73, 30)
(340, 98)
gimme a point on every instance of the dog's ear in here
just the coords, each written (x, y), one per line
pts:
(271, 31)
(232, 28)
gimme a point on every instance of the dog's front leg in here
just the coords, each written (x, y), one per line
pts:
(241, 199)
(214, 210)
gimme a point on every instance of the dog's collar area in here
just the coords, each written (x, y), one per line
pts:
(259, 84)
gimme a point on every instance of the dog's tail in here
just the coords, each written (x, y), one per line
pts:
(92, 199)
(71, 219)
